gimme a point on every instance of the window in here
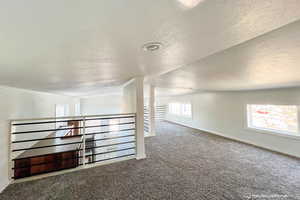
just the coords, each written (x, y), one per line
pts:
(275, 118)
(180, 109)
(113, 126)
(77, 109)
(61, 110)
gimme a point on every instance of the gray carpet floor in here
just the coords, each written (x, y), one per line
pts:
(182, 163)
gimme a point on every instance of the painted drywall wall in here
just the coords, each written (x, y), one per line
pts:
(129, 97)
(16, 104)
(224, 113)
(104, 104)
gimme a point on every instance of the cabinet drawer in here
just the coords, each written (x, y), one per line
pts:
(68, 155)
(22, 172)
(22, 163)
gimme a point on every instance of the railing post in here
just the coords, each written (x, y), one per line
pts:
(151, 116)
(10, 156)
(135, 134)
(83, 139)
(140, 118)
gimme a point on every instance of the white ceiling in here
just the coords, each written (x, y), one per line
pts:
(77, 47)
(269, 61)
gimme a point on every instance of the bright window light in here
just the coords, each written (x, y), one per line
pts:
(275, 118)
(180, 109)
(61, 110)
(113, 127)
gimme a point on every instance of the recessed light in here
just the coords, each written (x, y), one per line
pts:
(152, 46)
(190, 3)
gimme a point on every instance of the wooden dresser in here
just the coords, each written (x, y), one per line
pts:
(54, 158)
(47, 163)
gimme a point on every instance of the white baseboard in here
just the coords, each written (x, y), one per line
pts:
(233, 138)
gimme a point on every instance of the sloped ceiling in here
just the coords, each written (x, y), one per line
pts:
(269, 61)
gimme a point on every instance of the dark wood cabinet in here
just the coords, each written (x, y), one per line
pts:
(53, 153)
(21, 168)
(26, 167)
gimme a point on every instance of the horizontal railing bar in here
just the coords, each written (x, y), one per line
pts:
(125, 117)
(47, 154)
(111, 158)
(39, 139)
(47, 146)
(71, 120)
(110, 151)
(109, 138)
(66, 117)
(43, 163)
(66, 137)
(46, 130)
(109, 145)
(72, 128)
(103, 132)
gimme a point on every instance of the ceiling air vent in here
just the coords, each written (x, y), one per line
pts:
(152, 46)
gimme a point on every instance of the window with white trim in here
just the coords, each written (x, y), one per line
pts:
(113, 125)
(275, 118)
(61, 110)
(181, 109)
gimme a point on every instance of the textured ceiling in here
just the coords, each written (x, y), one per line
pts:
(77, 47)
(269, 61)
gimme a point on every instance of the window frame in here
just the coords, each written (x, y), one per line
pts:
(295, 135)
(66, 108)
(180, 114)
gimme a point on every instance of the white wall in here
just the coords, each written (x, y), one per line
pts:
(224, 113)
(106, 104)
(18, 103)
(129, 97)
